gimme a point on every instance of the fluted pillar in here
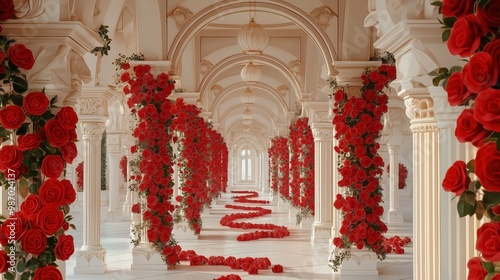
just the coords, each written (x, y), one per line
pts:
(456, 233)
(91, 258)
(322, 130)
(395, 214)
(426, 183)
(114, 156)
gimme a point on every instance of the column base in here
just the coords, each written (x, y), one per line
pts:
(306, 223)
(91, 260)
(126, 213)
(321, 232)
(395, 217)
(361, 263)
(145, 257)
(181, 231)
(114, 216)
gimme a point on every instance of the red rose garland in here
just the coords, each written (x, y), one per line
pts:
(148, 101)
(403, 174)
(302, 168)
(273, 168)
(38, 143)
(279, 151)
(358, 124)
(472, 31)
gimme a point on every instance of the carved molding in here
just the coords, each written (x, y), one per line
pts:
(88, 256)
(296, 67)
(419, 108)
(282, 90)
(92, 128)
(147, 252)
(92, 106)
(420, 128)
(322, 132)
(181, 15)
(323, 15)
(321, 116)
(359, 256)
(216, 89)
(205, 67)
(28, 9)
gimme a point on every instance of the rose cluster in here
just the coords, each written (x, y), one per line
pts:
(472, 32)
(358, 125)
(403, 175)
(148, 101)
(302, 167)
(39, 140)
(246, 197)
(280, 171)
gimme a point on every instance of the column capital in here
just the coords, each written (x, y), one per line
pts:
(350, 71)
(446, 115)
(318, 112)
(92, 128)
(393, 149)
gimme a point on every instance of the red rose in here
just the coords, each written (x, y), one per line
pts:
(125, 77)
(457, 8)
(487, 109)
(15, 223)
(52, 192)
(490, 14)
(493, 48)
(48, 272)
(36, 103)
(28, 142)
(4, 265)
(57, 135)
(31, 205)
(488, 167)
(136, 208)
(69, 152)
(50, 219)
(476, 269)
(69, 192)
(21, 56)
(67, 117)
(125, 66)
(65, 247)
(488, 241)
(480, 73)
(52, 166)
(6, 9)
(10, 157)
(12, 117)
(458, 94)
(34, 241)
(465, 36)
(495, 277)
(277, 268)
(469, 130)
(456, 179)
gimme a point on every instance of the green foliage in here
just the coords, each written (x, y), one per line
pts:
(104, 162)
(103, 33)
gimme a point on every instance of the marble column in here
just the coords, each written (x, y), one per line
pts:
(91, 258)
(426, 183)
(114, 156)
(127, 142)
(395, 215)
(322, 130)
(457, 234)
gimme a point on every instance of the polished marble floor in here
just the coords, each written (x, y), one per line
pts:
(300, 258)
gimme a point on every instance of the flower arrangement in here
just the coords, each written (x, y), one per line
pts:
(280, 172)
(148, 101)
(403, 175)
(358, 125)
(79, 177)
(471, 29)
(273, 168)
(302, 168)
(38, 141)
(193, 166)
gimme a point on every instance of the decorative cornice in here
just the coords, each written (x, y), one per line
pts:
(322, 133)
(92, 128)
(74, 33)
(93, 106)
(318, 112)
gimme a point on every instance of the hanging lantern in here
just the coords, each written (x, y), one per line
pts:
(250, 74)
(247, 114)
(248, 96)
(253, 38)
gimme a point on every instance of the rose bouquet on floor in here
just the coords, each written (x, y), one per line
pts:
(471, 29)
(38, 141)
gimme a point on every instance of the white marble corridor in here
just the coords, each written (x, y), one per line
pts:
(300, 258)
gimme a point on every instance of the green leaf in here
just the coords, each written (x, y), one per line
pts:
(17, 99)
(33, 188)
(21, 266)
(53, 100)
(22, 129)
(465, 208)
(489, 266)
(470, 165)
(446, 35)
(470, 197)
(26, 275)
(437, 80)
(449, 21)
(32, 264)
(8, 276)
(437, 3)
(37, 153)
(20, 84)
(491, 198)
(455, 68)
